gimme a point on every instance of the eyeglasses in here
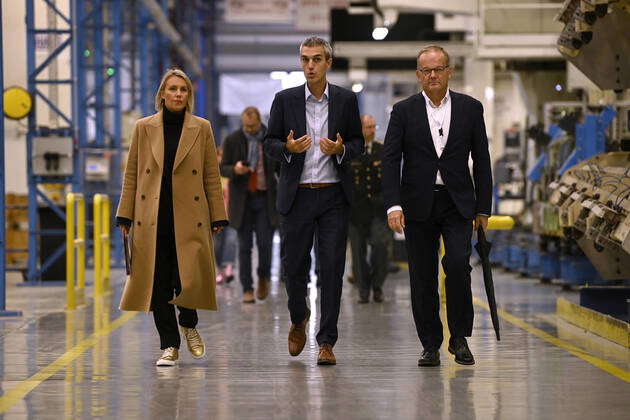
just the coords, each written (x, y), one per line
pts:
(437, 70)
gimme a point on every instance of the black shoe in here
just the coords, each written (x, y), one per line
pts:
(378, 295)
(459, 348)
(429, 358)
(363, 299)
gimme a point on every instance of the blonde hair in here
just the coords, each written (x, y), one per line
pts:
(190, 103)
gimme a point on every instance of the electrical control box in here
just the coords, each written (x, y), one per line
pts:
(52, 156)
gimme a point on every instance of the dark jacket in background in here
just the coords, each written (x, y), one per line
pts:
(367, 195)
(235, 149)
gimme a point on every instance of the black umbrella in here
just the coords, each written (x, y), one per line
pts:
(483, 249)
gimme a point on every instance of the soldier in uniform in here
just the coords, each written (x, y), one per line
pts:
(368, 221)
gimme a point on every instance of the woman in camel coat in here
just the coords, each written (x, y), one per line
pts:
(171, 201)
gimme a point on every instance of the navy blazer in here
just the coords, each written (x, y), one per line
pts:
(288, 112)
(409, 138)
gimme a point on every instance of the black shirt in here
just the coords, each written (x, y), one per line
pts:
(173, 123)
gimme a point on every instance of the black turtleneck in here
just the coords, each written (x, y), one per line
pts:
(173, 123)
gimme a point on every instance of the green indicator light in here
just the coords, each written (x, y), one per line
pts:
(110, 71)
(86, 53)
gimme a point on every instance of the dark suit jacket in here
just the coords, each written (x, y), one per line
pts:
(288, 112)
(409, 137)
(367, 193)
(235, 149)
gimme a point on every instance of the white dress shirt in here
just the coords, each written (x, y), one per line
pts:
(440, 123)
(318, 167)
(439, 118)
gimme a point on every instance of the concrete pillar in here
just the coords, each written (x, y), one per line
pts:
(479, 83)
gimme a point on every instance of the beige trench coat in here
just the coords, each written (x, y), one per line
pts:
(197, 202)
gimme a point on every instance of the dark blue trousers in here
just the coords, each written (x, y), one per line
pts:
(422, 240)
(255, 220)
(324, 212)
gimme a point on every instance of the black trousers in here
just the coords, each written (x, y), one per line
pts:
(323, 212)
(166, 284)
(255, 220)
(370, 275)
(422, 240)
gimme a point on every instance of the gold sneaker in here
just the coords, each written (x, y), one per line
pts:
(169, 357)
(195, 343)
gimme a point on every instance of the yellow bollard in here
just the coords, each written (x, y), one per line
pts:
(105, 235)
(73, 243)
(442, 274)
(80, 245)
(97, 218)
(500, 223)
(101, 243)
(70, 298)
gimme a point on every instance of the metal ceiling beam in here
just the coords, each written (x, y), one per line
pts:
(396, 50)
(166, 28)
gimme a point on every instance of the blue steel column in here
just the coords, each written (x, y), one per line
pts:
(78, 92)
(200, 98)
(3, 277)
(32, 122)
(213, 74)
(3, 253)
(98, 69)
(116, 146)
(143, 41)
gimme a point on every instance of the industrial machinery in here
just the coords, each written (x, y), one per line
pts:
(583, 177)
(592, 201)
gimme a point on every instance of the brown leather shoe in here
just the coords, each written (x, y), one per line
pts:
(326, 355)
(297, 336)
(262, 291)
(248, 297)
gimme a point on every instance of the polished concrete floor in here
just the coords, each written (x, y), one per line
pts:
(97, 362)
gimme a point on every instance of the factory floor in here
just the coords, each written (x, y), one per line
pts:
(97, 362)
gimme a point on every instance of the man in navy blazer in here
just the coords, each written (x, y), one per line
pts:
(434, 133)
(314, 131)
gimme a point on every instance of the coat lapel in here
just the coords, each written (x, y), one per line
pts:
(456, 113)
(299, 112)
(423, 123)
(156, 137)
(189, 135)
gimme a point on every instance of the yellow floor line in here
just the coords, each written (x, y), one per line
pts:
(18, 392)
(576, 351)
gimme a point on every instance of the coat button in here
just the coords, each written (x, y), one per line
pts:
(139, 223)
(148, 170)
(142, 197)
(199, 224)
(196, 198)
(194, 171)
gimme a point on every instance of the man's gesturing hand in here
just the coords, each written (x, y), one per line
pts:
(329, 147)
(396, 221)
(298, 145)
